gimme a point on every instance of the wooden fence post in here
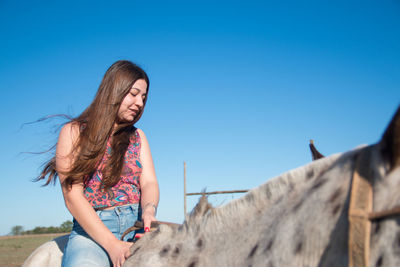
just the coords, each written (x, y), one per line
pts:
(184, 189)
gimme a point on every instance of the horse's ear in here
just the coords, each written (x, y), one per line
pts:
(390, 142)
(315, 154)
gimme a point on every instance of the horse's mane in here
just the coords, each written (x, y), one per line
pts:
(204, 216)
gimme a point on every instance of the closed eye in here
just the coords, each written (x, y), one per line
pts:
(134, 92)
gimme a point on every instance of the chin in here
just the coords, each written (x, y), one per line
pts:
(130, 119)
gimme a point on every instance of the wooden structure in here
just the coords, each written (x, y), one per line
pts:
(203, 193)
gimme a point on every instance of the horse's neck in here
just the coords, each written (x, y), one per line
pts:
(294, 212)
(261, 198)
(279, 187)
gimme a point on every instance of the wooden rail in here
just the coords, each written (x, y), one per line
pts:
(203, 193)
(217, 192)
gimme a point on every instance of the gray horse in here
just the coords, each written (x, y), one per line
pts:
(297, 219)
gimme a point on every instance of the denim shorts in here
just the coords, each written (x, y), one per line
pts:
(82, 250)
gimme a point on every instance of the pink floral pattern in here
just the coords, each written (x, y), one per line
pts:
(127, 190)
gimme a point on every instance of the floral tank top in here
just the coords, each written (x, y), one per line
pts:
(127, 190)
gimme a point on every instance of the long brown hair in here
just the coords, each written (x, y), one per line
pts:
(96, 124)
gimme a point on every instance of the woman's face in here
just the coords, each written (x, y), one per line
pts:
(132, 103)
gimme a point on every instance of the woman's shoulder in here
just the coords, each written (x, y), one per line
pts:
(140, 134)
(70, 131)
(139, 131)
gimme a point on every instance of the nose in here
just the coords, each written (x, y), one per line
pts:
(139, 102)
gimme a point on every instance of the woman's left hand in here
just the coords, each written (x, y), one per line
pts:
(148, 216)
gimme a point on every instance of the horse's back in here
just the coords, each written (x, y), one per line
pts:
(49, 254)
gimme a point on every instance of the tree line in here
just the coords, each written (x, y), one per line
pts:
(63, 228)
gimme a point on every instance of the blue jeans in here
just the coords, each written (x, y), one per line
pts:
(82, 250)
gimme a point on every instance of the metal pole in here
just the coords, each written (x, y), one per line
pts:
(184, 189)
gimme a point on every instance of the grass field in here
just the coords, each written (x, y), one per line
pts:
(15, 249)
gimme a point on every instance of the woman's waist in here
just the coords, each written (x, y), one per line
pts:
(110, 200)
(118, 207)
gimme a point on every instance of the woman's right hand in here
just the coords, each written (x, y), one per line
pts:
(119, 251)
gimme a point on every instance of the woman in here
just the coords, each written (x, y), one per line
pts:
(106, 170)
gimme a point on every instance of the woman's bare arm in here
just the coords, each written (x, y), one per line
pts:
(148, 183)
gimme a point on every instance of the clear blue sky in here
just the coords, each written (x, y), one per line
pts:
(237, 87)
